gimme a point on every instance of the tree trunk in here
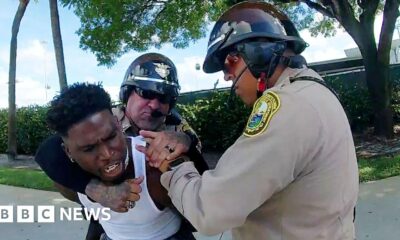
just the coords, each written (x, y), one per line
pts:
(380, 89)
(12, 122)
(57, 42)
(376, 63)
(381, 92)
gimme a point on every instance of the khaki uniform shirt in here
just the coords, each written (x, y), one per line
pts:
(293, 178)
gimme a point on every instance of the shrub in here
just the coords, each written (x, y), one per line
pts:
(217, 126)
(31, 128)
(354, 97)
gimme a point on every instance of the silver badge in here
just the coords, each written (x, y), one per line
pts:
(162, 69)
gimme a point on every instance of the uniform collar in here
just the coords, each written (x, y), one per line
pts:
(123, 120)
(287, 74)
(133, 129)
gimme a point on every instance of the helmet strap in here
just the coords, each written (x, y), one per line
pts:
(229, 103)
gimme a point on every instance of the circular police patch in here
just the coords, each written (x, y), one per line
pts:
(264, 108)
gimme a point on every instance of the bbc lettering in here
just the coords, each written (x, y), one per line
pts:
(47, 214)
(6, 215)
(26, 214)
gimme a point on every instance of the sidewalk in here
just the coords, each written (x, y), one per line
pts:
(378, 210)
(60, 230)
(378, 214)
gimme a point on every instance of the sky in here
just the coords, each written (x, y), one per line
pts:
(37, 78)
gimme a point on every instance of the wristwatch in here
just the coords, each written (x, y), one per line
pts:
(176, 162)
(173, 164)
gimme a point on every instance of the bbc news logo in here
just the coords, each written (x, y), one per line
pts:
(48, 214)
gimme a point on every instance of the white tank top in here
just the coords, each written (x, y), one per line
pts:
(145, 221)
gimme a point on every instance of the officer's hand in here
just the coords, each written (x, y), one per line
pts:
(165, 145)
(115, 197)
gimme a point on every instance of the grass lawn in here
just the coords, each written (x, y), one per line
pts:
(378, 168)
(25, 178)
(370, 169)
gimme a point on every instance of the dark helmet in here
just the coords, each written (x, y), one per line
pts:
(154, 72)
(246, 21)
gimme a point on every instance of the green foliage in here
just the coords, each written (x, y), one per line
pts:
(395, 76)
(217, 126)
(31, 128)
(354, 98)
(326, 27)
(111, 28)
(379, 168)
(3, 130)
(27, 178)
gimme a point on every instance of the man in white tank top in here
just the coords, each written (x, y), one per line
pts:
(145, 220)
(93, 139)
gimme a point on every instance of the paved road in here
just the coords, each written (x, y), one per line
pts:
(378, 214)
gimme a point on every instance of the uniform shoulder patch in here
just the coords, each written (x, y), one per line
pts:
(264, 108)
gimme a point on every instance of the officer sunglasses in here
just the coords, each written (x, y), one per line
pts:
(150, 95)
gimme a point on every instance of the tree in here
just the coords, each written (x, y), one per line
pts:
(12, 128)
(110, 29)
(57, 42)
(358, 18)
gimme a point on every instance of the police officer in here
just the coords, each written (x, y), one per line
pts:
(293, 172)
(149, 92)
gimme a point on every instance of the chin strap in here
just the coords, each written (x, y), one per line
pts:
(229, 103)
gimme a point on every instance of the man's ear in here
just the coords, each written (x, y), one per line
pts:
(232, 58)
(66, 150)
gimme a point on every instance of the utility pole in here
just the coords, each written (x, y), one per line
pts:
(46, 86)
